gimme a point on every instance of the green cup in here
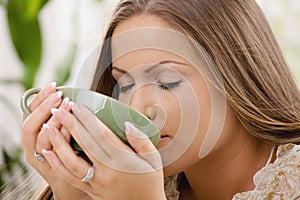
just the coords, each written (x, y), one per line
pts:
(111, 112)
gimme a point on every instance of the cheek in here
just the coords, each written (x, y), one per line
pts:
(162, 107)
(173, 114)
(201, 118)
(194, 107)
(124, 98)
(188, 112)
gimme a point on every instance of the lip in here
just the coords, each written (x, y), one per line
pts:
(163, 135)
(163, 138)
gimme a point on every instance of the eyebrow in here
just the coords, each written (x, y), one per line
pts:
(152, 67)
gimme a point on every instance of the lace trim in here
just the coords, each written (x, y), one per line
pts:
(171, 185)
(278, 180)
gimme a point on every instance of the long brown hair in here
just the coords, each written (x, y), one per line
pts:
(257, 81)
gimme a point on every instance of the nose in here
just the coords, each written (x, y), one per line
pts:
(146, 100)
(142, 100)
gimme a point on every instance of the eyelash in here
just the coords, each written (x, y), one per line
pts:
(169, 86)
(163, 86)
(125, 88)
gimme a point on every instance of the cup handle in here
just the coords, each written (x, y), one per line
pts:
(24, 99)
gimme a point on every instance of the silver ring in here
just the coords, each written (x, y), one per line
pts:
(39, 157)
(89, 175)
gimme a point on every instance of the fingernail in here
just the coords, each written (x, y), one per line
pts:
(132, 130)
(44, 151)
(50, 88)
(46, 126)
(58, 113)
(66, 102)
(54, 111)
(47, 155)
(75, 107)
(55, 97)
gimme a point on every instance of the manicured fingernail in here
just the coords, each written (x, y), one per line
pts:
(54, 110)
(55, 97)
(66, 102)
(132, 130)
(46, 126)
(75, 107)
(50, 88)
(47, 155)
(44, 151)
(60, 114)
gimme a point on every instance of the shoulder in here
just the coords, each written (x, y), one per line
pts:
(279, 180)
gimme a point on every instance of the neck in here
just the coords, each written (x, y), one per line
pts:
(229, 169)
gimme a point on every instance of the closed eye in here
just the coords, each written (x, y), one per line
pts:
(169, 86)
(123, 89)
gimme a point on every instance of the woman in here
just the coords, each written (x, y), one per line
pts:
(211, 76)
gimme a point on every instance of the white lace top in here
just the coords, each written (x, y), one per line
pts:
(279, 180)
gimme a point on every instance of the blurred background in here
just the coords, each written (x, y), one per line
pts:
(43, 41)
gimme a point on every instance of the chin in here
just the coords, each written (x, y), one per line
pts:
(171, 170)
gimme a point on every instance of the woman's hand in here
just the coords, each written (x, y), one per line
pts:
(34, 139)
(120, 172)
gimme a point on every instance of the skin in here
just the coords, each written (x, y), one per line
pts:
(231, 165)
(33, 138)
(228, 168)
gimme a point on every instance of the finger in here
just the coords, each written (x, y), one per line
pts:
(42, 95)
(63, 172)
(42, 139)
(40, 165)
(66, 134)
(139, 141)
(143, 146)
(35, 120)
(98, 130)
(65, 105)
(42, 112)
(115, 148)
(66, 154)
(82, 137)
(121, 157)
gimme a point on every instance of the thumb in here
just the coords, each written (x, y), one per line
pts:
(138, 140)
(142, 145)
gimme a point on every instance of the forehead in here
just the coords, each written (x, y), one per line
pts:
(135, 42)
(150, 35)
(145, 58)
(147, 33)
(141, 21)
(148, 39)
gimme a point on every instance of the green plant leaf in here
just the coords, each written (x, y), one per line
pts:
(26, 35)
(7, 160)
(2, 3)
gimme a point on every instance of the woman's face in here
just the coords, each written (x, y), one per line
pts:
(166, 88)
